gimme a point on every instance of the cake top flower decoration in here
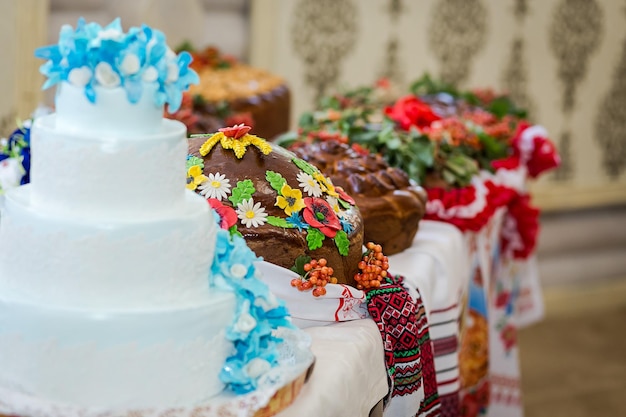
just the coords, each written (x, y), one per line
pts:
(89, 56)
(236, 138)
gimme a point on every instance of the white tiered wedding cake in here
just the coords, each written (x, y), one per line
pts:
(105, 257)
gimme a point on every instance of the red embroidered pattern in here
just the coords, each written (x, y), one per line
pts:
(409, 356)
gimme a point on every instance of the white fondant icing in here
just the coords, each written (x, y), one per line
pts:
(112, 115)
(107, 177)
(115, 359)
(129, 263)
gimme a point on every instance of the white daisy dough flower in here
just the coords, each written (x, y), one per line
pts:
(251, 214)
(309, 184)
(334, 203)
(216, 186)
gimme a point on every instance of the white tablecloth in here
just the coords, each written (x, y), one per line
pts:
(349, 376)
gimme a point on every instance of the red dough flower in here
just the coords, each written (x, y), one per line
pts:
(319, 214)
(410, 111)
(228, 216)
(236, 131)
(244, 118)
(344, 196)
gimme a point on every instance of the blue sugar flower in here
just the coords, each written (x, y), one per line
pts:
(258, 314)
(90, 56)
(346, 225)
(297, 221)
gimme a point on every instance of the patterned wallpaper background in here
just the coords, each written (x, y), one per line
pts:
(565, 60)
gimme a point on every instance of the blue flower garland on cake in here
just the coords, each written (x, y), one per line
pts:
(90, 56)
(259, 313)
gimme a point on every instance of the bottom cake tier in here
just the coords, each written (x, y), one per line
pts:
(103, 361)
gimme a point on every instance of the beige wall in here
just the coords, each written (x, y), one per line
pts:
(22, 29)
(564, 59)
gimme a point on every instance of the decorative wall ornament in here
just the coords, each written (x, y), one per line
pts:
(395, 9)
(392, 67)
(515, 76)
(457, 32)
(521, 9)
(565, 171)
(574, 35)
(610, 123)
(323, 32)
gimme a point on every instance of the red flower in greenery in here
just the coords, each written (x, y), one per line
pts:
(344, 196)
(319, 214)
(360, 149)
(509, 163)
(383, 83)
(228, 216)
(236, 131)
(410, 111)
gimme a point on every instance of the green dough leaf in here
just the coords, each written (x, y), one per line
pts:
(344, 204)
(233, 231)
(342, 242)
(298, 266)
(194, 160)
(278, 222)
(243, 191)
(276, 180)
(314, 238)
(305, 166)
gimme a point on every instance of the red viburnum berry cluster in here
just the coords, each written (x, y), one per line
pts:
(317, 275)
(373, 267)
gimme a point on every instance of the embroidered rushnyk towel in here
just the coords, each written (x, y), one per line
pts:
(403, 325)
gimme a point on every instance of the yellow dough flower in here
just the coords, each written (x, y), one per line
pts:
(290, 200)
(326, 184)
(195, 177)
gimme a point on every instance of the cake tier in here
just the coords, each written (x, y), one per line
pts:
(86, 262)
(79, 174)
(112, 114)
(113, 358)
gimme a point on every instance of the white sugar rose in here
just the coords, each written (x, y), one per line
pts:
(11, 173)
(130, 64)
(106, 76)
(79, 77)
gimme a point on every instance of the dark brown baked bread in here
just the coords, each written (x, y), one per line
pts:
(391, 206)
(263, 96)
(299, 212)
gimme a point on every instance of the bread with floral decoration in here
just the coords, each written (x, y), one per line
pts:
(283, 206)
(230, 89)
(391, 204)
